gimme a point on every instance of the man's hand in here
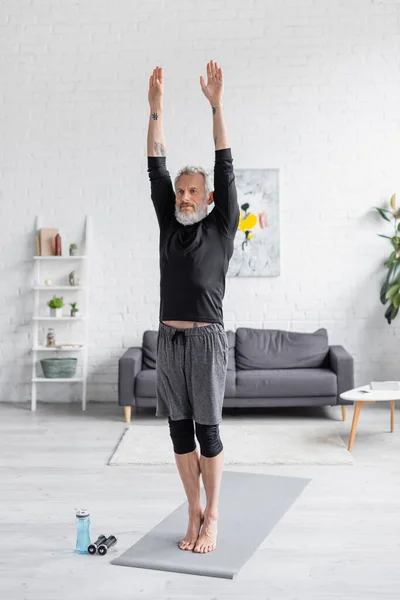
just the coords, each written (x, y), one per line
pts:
(156, 88)
(215, 83)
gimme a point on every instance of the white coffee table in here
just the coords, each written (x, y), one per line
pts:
(364, 395)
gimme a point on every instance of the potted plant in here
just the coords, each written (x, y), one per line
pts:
(390, 290)
(74, 310)
(56, 306)
(73, 250)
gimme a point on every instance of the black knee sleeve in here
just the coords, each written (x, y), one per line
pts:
(209, 440)
(182, 435)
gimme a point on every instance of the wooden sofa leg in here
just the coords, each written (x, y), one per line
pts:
(344, 412)
(128, 412)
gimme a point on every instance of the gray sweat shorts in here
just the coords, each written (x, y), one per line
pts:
(191, 372)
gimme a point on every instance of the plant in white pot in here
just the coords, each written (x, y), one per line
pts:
(56, 306)
(74, 309)
(73, 250)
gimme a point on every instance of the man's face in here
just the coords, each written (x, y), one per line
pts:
(191, 201)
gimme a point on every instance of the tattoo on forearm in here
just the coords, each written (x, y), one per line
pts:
(154, 116)
(214, 110)
(159, 149)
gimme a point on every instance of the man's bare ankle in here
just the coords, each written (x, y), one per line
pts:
(211, 516)
(196, 508)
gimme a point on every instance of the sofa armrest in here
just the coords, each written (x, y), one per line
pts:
(129, 365)
(342, 363)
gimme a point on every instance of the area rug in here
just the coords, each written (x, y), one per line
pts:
(247, 441)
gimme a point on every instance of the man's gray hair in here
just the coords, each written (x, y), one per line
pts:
(189, 170)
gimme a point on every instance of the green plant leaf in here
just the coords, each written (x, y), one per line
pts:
(390, 262)
(384, 289)
(382, 212)
(396, 301)
(56, 302)
(383, 209)
(387, 236)
(393, 290)
(388, 312)
(391, 313)
(391, 259)
(392, 273)
(391, 280)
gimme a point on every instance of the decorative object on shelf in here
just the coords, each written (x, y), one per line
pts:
(57, 240)
(46, 243)
(51, 338)
(73, 250)
(56, 305)
(390, 290)
(59, 368)
(48, 282)
(74, 310)
(73, 279)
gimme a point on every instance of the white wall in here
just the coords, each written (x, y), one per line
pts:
(311, 88)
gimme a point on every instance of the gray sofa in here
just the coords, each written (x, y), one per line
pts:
(266, 368)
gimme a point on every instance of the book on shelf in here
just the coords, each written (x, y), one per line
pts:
(45, 241)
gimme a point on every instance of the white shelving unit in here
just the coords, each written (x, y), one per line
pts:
(39, 263)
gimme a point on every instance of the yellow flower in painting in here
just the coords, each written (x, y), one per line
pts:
(247, 223)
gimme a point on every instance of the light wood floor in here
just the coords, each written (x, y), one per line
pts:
(340, 540)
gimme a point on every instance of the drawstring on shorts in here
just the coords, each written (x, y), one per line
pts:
(176, 334)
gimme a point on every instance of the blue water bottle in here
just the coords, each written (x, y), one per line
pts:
(82, 531)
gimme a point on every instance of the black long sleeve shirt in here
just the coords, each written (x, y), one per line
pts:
(194, 258)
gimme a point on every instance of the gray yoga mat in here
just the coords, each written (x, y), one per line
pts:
(250, 506)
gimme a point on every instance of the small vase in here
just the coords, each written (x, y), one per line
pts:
(74, 313)
(73, 279)
(73, 251)
(56, 312)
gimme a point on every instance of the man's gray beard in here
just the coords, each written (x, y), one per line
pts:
(192, 218)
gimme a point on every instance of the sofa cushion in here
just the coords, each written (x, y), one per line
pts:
(280, 383)
(276, 349)
(149, 347)
(145, 384)
(230, 384)
(231, 342)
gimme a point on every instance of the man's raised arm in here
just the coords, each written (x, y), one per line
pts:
(225, 194)
(162, 192)
(155, 135)
(213, 92)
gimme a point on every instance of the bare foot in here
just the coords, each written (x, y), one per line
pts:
(195, 522)
(207, 540)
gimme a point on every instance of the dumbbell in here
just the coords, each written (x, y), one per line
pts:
(94, 547)
(106, 545)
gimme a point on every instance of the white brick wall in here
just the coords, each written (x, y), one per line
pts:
(311, 88)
